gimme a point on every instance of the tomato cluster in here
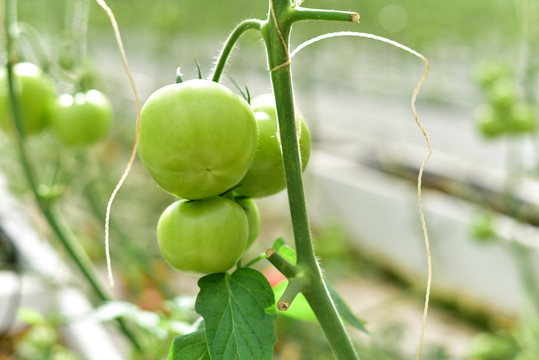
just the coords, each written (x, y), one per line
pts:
(505, 112)
(207, 146)
(77, 120)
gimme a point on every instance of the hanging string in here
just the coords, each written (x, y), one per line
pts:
(425, 160)
(119, 42)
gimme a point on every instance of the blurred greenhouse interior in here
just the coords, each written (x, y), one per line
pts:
(480, 187)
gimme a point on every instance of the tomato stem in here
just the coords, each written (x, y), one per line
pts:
(287, 269)
(304, 14)
(251, 24)
(295, 286)
(78, 24)
(276, 32)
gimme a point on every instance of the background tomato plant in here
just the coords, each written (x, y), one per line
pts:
(81, 119)
(35, 92)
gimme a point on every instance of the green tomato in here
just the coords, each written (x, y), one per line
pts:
(492, 346)
(253, 217)
(502, 93)
(266, 174)
(197, 138)
(82, 119)
(203, 236)
(489, 123)
(488, 72)
(521, 119)
(35, 94)
(483, 228)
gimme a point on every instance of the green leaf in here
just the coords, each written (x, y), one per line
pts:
(278, 243)
(301, 310)
(30, 316)
(284, 250)
(190, 346)
(344, 310)
(238, 311)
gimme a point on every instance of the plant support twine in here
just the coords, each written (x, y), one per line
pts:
(425, 160)
(119, 42)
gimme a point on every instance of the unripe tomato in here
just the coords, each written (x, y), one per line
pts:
(489, 123)
(203, 236)
(35, 94)
(487, 73)
(197, 138)
(502, 93)
(253, 217)
(266, 174)
(82, 119)
(521, 119)
(483, 228)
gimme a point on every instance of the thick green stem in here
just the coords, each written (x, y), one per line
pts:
(229, 45)
(52, 216)
(276, 32)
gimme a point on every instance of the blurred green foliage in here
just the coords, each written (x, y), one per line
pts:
(423, 22)
(42, 341)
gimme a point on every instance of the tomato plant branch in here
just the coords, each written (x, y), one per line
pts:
(79, 30)
(281, 264)
(304, 14)
(276, 32)
(50, 213)
(244, 26)
(295, 286)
